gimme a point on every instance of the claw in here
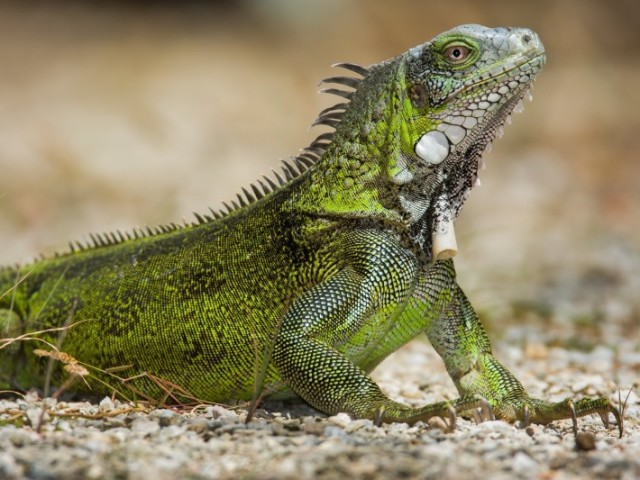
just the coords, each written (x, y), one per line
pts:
(616, 413)
(452, 419)
(526, 421)
(477, 416)
(487, 409)
(574, 417)
(605, 418)
(377, 421)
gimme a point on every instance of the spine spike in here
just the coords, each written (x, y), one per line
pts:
(256, 191)
(199, 218)
(359, 69)
(279, 178)
(228, 207)
(346, 81)
(270, 183)
(338, 107)
(250, 198)
(241, 200)
(338, 92)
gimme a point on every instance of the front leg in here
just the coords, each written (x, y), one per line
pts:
(459, 338)
(328, 334)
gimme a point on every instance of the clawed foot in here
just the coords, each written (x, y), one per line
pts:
(517, 407)
(532, 410)
(526, 410)
(447, 410)
(540, 411)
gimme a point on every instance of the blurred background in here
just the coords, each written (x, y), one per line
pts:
(119, 114)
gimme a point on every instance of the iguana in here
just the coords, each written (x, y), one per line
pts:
(308, 283)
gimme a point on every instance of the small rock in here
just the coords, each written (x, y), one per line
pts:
(171, 432)
(143, 426)
(334, 431)
(217, 411)
(585, 441)
(313, 428)
(362, 469)
(198, 425)
(118, 435)
(64, 426)
(167, 418)
(37, 417)
(356, 425)
(523, 463)
(106, 404)
(95, 471)
(496, 426)
(115, 422)
(9, 468)
(341, 419)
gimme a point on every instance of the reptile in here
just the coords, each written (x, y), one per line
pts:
(306, 282)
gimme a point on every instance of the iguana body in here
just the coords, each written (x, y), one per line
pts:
(310, 284)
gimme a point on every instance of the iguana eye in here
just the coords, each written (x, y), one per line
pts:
(456, 54)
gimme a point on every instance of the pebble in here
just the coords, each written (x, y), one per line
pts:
(214, 442)
(218, 411)
(106, 404)
(37, 416)
(198, 425)
(341, 419)
(524, 464)
(144, 426)
(9, 468)
(167, 417)
(585, 441)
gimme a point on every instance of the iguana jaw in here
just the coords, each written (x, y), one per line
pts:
(471, 116)
(457, 187)
(465, 159)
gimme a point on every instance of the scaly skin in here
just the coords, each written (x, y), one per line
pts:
(315, 282)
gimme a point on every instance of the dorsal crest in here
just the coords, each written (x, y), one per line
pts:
(289, 170)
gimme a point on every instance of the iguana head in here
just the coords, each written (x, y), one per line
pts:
(409, 143)
(462, 87)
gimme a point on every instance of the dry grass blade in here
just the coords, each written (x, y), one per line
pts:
(33, 336)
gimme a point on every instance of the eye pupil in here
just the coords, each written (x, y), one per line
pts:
(457, 53)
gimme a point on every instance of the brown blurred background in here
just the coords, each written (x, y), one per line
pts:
(117, 114)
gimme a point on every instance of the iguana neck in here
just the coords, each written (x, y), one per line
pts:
(365, 171)
(371, 171)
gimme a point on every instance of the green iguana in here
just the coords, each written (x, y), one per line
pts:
(310, 282)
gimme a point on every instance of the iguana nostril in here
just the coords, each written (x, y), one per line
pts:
(526, 38)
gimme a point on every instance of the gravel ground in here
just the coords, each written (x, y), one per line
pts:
(110, 439)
